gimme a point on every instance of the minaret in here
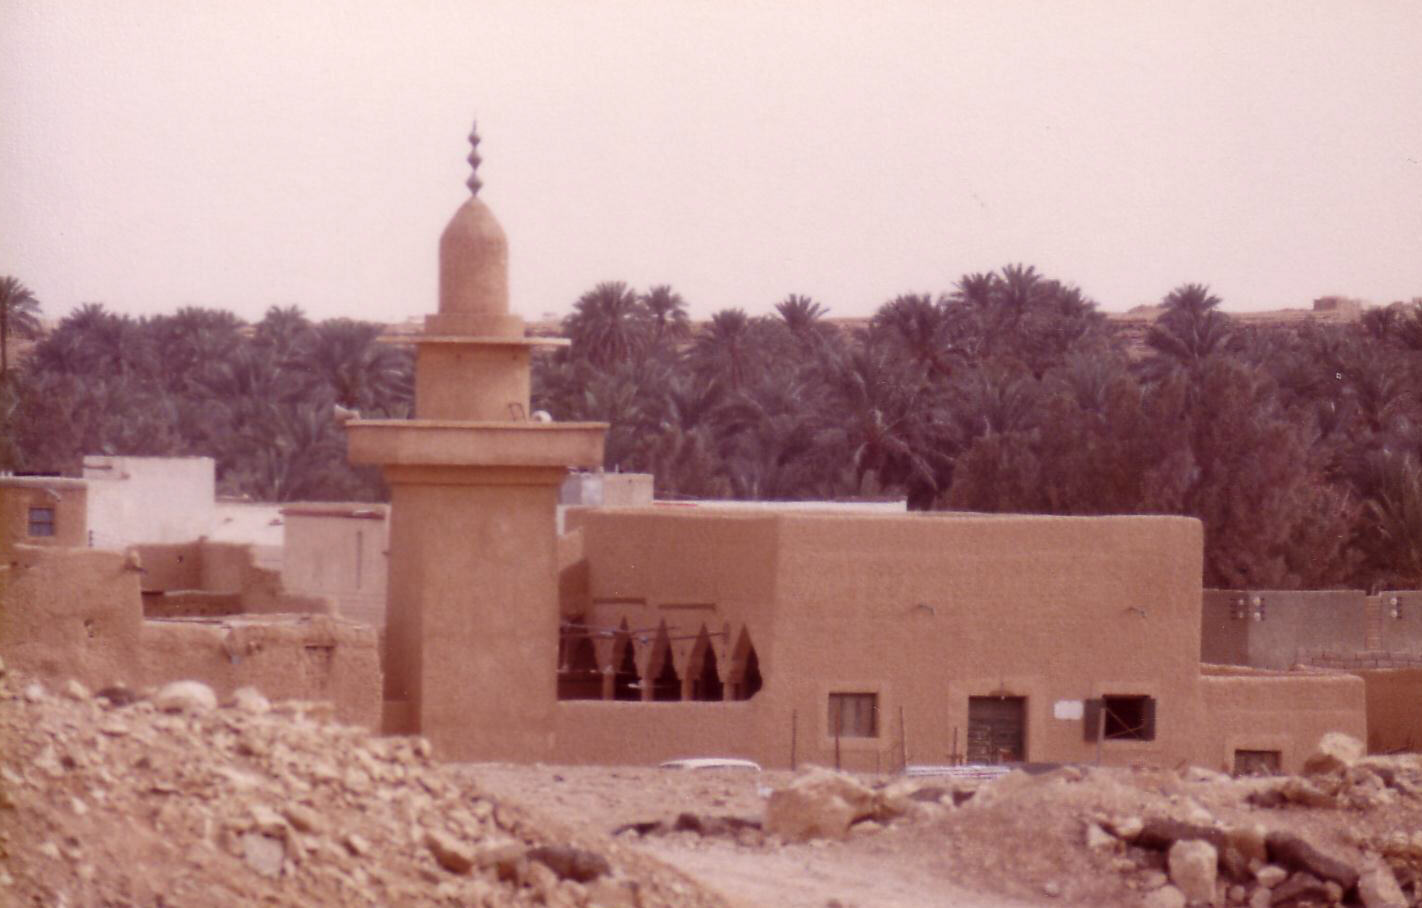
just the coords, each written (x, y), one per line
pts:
(471, 640)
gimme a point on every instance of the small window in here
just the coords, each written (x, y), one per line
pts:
(1121, 718)
(854, 715)
(1256, 762)
(41, 521)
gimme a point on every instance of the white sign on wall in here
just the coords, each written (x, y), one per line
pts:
(1067, 709)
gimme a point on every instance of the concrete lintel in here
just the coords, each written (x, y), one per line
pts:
(424, 442)
(442, 475)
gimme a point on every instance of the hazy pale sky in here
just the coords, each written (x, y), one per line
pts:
(241, 154)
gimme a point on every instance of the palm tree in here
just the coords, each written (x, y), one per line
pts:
(19, 315)
(609, 324)
(919, 327)
(729, 347)
(1190, 330)
(671, 324)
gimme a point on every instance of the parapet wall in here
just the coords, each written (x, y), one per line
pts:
(71, 613)
(205, 579)
(1274, 629)
(301, 657)
(1283, 713)
(78, 613)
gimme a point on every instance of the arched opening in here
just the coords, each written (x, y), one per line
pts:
(745, 680)
(625, 683)
(579, 677)
(705, 679)
(666, 684)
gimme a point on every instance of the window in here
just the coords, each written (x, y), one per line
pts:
(41, 521)
(1120, 718)
(1256, 762)
(854, 715)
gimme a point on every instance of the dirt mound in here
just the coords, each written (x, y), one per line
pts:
(108, 799)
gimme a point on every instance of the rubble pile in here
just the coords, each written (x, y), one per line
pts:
(120, 799)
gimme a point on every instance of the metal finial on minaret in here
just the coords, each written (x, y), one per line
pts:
(474, 159)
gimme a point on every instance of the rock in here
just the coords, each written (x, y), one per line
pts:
(302, 818)
(1300, 887)
(1201, 774)
(1377, 888)
(250, 700)
(1153, 879)
(356, 844)
(33, 692)
(1334, 754)
(1052, 888)
(506, 859)
(1126, 828)
(1292, 852)
(74, 689)
(1271, 875)
(1098, 839)
(608, 893)
(1194, 868)
(818, 804)
(1164, 897)
(116, 695)
(185, 697)
(1302, 791)
(1160, 833)
(451, 854)
(1261, 898)
(571, 863)
(263, 854)
(2, 667)
(268, 822)
(1237, 894)
(1248, 840)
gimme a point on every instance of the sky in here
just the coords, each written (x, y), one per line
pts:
(242, 154)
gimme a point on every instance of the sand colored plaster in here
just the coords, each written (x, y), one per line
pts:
(22, 499)
(935, 621)
(71, 613)
(471, 621)
(314, 657)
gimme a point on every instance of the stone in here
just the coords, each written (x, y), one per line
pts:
(1378, 888)
(819, 804)
(1160, 833)
(1270, 875)
(1052, 888)
(250, 700)
(302, 818)
(1248, 840)
(1261, 898)
(610, 893)
(185, 697)
(268, 822)
(33, 692)
(74, 689)
(571, 863)
(1335, 753)
(1126, 828)
(356, 844)
(1299, 887)
(1194, 868)
(1292, 852)
(450, 853)
(1237, 894)
(263, 854)
(506, 859)
(1098, 839)
(1153, 879)
(1164, 897)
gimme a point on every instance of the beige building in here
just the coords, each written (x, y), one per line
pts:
(43, 511)
(918, 638)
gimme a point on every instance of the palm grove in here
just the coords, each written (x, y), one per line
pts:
(1297, 445)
